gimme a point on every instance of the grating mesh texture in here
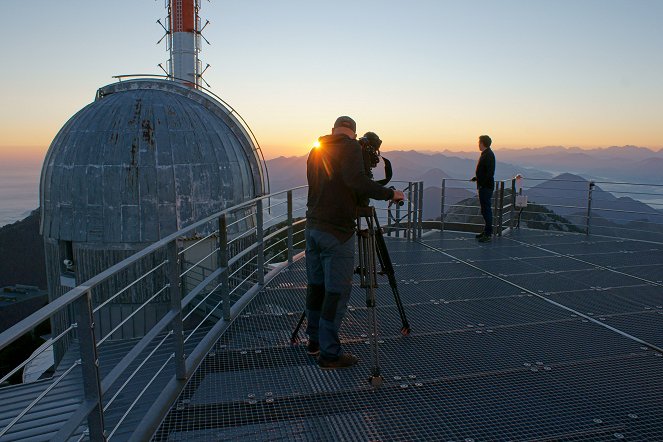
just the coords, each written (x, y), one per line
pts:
(534, 336)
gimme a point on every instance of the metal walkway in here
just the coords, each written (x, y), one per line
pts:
(535, 336)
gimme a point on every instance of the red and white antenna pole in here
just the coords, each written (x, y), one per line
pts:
(184, 48)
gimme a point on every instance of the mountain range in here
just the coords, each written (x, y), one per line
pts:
(286, 172)
(626, 163)
(620, 163)
(638, 165)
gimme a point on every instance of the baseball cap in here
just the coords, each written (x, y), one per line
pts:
(345, 121)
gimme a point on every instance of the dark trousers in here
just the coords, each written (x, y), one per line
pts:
(485, 200)
(329, 268)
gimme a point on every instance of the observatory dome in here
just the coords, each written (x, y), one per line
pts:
(145, 159)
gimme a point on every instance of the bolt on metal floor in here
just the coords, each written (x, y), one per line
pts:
(533, 336)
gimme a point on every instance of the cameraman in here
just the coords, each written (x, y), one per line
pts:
(337, 182)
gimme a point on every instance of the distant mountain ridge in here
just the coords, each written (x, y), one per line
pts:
(537, 165)
(22, 257)
(567, 194)
(286, 172)
(622, 163)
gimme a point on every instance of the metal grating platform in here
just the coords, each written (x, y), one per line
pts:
(534, 336)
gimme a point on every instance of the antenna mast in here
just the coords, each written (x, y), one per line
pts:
(184, 36)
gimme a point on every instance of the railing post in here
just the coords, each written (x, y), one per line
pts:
(442, 196)
(415, 210)
(589, 205)
(398, 221)
(513, 204)
(389, 220)
(496, 217)
(176, 287)
(290, 247)
(421, 208)
(501, 215)
(223, 264)
(408, 232)
(259, 242)
(90, 366)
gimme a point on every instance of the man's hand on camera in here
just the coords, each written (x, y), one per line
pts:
(398, 196)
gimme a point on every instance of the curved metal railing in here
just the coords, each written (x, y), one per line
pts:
(204, 275)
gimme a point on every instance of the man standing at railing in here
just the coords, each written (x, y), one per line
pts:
(485, 179)
(337, 182)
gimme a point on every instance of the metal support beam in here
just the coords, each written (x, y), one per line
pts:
(259, 241)
(223, 264)
(408, 231)
(176, 287)
(398, 221)
(415, 210)
(501, 213)
(290, 240)
(495, 203)
(513, 204)
(421, 208)
(442, 196)
(589, 206)
(90, 366)
(389, 220)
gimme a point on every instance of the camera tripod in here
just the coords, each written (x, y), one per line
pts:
(371, 245)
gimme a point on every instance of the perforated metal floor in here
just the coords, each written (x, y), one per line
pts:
(533, 336)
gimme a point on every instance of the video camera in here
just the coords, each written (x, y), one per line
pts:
(370, 148)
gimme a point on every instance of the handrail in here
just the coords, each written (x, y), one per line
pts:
(585, 219)
(249, 263)
(27, 324)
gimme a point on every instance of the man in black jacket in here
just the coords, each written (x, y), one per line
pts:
(485, 179)
(337, 182)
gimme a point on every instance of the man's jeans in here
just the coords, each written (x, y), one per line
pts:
(485, 200)
(329, 264)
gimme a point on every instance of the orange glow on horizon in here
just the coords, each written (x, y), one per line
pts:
(22, 154)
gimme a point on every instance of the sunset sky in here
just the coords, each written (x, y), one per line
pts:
(423, 74)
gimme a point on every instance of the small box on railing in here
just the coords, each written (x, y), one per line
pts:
(521, 201)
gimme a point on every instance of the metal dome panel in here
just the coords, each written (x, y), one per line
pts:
(146, 158)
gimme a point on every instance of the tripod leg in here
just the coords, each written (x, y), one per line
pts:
(368, 281)
(294, 339)
(388, 269)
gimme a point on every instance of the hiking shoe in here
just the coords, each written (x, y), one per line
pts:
(313, 348)
(480, 235)
(485, 238)
(344, 361)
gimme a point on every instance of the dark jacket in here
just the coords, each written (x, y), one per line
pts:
(337, 182)
(485, 172)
